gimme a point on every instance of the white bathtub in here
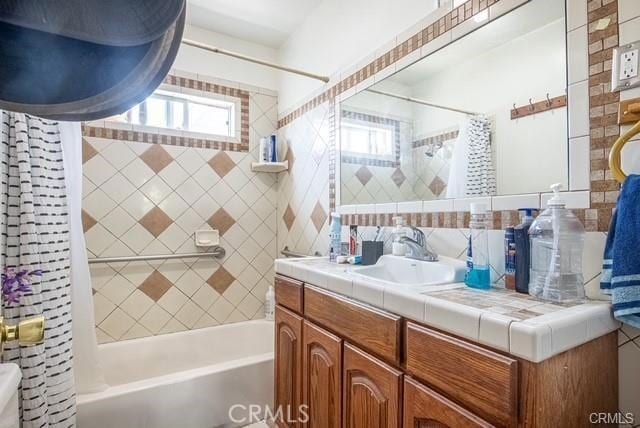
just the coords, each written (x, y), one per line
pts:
(189, 379)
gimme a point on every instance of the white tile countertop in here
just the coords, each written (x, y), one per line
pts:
(516, 323)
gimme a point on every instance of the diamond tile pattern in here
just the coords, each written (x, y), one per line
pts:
(221, 280)
(155, 285)
(318, 216)
(145, 198)
(156, 157)
(222, 164)
(88, 151)
(156, 221)
(398, 177)
(221, 220)
(364, 175)
(437, 186)
(289, 217)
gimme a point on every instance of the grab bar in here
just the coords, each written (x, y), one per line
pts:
(288, 253)
(218, 253)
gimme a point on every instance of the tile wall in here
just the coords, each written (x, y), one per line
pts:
(143, 198)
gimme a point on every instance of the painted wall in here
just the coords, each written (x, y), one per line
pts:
(198, 61)
(339, 33)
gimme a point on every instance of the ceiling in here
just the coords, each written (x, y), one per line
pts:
(267, 22)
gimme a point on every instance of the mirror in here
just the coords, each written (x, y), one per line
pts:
(459, 122)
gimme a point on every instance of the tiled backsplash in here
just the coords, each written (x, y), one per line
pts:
(143, 198)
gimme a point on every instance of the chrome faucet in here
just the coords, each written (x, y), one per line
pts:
(418, 248)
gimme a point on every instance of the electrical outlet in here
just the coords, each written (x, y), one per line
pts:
(629, 65)
(626, 61)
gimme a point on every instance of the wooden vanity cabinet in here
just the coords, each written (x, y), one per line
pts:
(350, 365)
(288, 366)
(322, 377)
(372, 391)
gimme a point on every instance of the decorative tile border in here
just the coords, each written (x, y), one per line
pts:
(435, 139)
(603, 106)
(170, 138)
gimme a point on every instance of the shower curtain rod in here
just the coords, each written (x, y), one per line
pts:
(214, 49)
(425, 103)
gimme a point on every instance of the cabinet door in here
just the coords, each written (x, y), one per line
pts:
(288, 367)
(424, 408)
(322, 371)
(372, 391)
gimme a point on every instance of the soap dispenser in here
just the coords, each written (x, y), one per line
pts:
(398, 247)
(557, 240)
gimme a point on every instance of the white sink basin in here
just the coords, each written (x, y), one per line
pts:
(402, 271)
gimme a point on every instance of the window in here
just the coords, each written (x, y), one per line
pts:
(184, 112)
(370, 139)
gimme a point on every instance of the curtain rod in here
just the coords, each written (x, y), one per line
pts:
(214, 49)
(417, 101)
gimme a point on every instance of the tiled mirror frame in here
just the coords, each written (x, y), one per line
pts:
(593, 124)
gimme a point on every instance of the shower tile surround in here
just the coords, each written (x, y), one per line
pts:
(147, 192)
(593, 129)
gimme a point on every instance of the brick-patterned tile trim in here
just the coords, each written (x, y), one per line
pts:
(184, 141)
(603, 108)
(435, 139)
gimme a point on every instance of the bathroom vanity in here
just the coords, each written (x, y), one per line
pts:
(365, 353)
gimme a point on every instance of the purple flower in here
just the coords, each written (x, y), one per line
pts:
(15, 283)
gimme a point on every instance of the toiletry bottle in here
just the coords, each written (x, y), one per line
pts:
(523, 251)
(398, 247)
(263, 151)
(557, 240)
(509, 259)
(334, 237)
(273, 149)
(270, 304)
(479, 275)
(353, 240)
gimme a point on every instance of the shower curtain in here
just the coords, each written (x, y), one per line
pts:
(35, 236)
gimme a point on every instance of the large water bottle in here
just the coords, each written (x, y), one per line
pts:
(335, 234)
(557, 240)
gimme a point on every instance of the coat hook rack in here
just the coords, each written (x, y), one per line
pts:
(538, 107)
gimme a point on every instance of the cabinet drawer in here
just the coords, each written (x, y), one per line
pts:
(289, 293)
(374, 330)
(481, 380)
(426, 408)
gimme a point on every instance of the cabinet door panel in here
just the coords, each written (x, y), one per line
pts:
(322, 369)
(424, 408)
(288, 366)
(372, 391)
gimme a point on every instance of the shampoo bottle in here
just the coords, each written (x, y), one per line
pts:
(523, 251)
(335, 247)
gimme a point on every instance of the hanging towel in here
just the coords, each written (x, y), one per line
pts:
(621, 268)
(481, 177)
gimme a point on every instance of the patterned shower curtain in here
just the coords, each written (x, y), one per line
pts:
(34, 236)
(481, 175)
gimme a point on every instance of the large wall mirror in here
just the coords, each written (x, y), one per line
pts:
(444, 127)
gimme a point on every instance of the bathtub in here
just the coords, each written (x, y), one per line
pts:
(188, 379)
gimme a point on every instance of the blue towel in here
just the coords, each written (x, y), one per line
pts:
(621, 268)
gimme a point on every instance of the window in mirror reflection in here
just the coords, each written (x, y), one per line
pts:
(372, 140)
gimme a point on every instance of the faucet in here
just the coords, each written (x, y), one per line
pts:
(418, 248)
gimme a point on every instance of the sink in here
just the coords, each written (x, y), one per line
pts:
(402, 271)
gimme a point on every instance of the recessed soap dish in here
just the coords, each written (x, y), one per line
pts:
(207, 238)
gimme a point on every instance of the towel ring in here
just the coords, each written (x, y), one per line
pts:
(615, 158)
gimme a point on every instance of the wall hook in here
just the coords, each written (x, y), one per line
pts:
(515, 108)
(548, 100)
(531, 107)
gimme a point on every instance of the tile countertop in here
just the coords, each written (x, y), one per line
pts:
(516, 323)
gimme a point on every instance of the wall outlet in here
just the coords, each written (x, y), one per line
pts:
(626, 61)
